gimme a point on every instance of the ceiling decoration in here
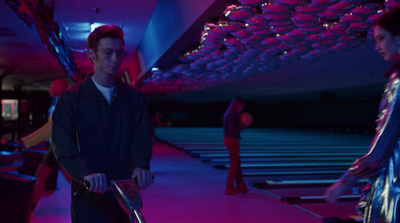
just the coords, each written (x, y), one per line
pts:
(260, 36)
(40, 15)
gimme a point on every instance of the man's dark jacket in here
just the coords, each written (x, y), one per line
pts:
(91, 136)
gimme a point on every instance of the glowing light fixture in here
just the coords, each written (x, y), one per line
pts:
(94, 25)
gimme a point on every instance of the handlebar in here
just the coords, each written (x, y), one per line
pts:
(128, 196)
(109, 183)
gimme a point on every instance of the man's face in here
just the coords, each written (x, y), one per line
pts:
(109, 55)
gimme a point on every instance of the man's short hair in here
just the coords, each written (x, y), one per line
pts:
(103, 32)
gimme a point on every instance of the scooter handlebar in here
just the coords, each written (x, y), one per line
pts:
(87, 183)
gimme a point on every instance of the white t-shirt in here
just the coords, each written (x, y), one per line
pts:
(107, 92)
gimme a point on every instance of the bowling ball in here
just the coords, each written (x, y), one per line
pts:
(245, 118)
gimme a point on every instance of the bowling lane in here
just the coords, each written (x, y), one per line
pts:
(295, 166)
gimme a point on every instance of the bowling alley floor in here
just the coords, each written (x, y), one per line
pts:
(187, 190)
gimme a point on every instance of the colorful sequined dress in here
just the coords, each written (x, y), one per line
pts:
(381, 163)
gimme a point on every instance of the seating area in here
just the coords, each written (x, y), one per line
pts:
(18, 182)
(16, 192)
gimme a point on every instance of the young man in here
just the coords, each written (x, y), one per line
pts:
(101, 132)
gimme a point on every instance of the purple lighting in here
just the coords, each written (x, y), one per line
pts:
(260, 36)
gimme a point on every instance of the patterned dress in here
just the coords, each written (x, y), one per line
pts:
(382, 163)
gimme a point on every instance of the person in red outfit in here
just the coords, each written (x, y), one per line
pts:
(43, 133)
(232, 128)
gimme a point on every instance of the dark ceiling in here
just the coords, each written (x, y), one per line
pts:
(160, 33)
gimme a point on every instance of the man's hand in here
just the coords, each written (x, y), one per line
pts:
(97, 181)
(144, 177)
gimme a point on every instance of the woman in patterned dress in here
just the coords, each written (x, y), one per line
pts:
(381, 165)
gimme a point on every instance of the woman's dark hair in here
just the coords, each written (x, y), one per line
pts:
(389, 21)
(235, 104)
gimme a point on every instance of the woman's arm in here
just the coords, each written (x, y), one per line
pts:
(381, 147)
